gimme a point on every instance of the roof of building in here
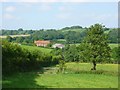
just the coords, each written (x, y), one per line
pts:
(42, 42)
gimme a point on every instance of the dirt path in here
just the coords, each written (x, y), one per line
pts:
(50, 70)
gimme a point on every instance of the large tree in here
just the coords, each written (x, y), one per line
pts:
(94, 46)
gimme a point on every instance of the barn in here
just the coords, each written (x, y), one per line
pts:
(43, 43)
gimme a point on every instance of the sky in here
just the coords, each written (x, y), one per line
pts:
(56, 15)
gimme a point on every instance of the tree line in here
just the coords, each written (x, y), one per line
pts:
(93, 48)
(53, 35)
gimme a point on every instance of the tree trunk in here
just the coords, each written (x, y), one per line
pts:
(94, 65)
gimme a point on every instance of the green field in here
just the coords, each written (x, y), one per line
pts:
(33, 48)
(76, 30)
(27, 35)
(48, 50)
(111, 45)
(69, 79)
(107, 69)
(61, 40)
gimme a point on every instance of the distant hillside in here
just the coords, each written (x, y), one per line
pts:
(32, 48)
(15, 36)
(69, 35)
(76, 30)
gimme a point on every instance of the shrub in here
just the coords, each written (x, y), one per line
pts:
(17, 59)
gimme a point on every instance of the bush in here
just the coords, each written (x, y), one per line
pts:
(116, 54)
(17, 59)
(61, 66)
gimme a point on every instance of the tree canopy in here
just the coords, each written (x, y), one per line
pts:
(95, 47)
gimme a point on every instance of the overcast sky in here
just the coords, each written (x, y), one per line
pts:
(38, 15)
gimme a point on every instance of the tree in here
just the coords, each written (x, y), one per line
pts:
(95, 46)
(19, 39)
(9, 38)
(113, 36)
(71, 53)
(62, 66)
(116, 54)
(20, 29)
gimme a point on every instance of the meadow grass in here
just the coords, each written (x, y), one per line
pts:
(65, 80)
(106, 32)
(77, 81)
(87, 66)
(111, 45)
(76, 30)
(61, 40)
(108, 69)
(35, 80)
(33, 48)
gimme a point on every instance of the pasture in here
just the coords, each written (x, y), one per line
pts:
(69, 79)
(112, 45)
(33, 48)
(76, 30)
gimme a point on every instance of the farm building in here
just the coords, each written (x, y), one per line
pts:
(58, 46)
(42, 43)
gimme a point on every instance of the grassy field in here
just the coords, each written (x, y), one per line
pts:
(49, 79)
(15, 36)
(61, 40)
(111, 69)
(48, 50)
(76, 30)
(111, 45)
(33, 48)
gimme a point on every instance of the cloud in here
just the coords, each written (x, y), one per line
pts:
(19, 0)
(10, 9)
(4, 0)
(8, 16)
(30, 0)
(59, 0)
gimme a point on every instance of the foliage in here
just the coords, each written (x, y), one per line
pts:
(73, 34)
(61, 66)
(9, 39)
(113, 36)
(71, 53)
(74, 37)
(56, 59)
(17, 59)
(116, 54)
(95, 46)
(72, 27)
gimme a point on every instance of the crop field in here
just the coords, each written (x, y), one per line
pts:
(15, 36)
(77, 75)
(33, 48)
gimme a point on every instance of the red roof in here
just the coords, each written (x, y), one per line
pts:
(42, 42)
